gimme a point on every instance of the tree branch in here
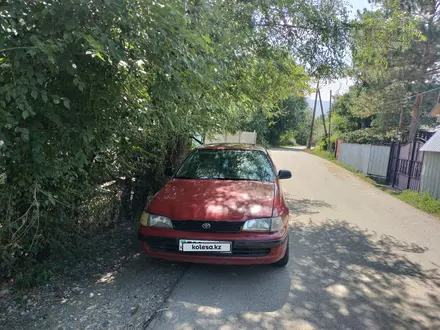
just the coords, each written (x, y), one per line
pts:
(433, 70)
(14, 48)
(290, 26)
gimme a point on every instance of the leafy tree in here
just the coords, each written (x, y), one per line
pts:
(343, 118)
(316, 32)
(291, 116)
(423, 56)
(92, 91)
(395, 51)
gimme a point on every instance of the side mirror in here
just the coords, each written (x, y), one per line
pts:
(284, 174)
(169, 171)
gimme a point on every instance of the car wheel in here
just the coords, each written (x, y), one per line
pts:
(285, 259)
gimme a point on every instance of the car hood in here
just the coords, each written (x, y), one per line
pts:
(183, 199)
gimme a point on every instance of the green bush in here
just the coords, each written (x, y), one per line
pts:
(370, 136)
(323, 144)
(288, 139)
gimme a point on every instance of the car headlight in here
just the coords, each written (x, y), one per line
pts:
(265, 224)
(144, 218)
(153, 220)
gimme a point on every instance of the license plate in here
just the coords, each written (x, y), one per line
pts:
(187, 245)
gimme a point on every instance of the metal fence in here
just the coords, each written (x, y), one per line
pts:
(406, 164)
(431, 174)
(379, 160)
(369, 159)
(239, 137)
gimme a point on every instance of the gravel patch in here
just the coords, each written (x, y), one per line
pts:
(122, 288)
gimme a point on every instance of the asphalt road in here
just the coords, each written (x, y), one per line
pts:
(360, 259)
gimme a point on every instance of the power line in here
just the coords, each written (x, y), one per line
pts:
(412, 96)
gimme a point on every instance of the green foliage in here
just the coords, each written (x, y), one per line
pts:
(321, 153)
(419, 61)
(96, 91)
(323, 144)
(396, 50)
(288, 139)
(370, 136)
(423, 201)
(303, 128)
(379, 33)
(290, 116)
(310, 29)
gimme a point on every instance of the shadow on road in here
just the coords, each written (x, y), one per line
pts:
(339, 277)
(348, 277)
(258, 288)
(306, 206)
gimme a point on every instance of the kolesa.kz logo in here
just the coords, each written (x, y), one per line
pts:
(206, 247)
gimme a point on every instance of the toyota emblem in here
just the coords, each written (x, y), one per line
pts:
(206, 225)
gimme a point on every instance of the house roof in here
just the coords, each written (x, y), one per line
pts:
(433, 144)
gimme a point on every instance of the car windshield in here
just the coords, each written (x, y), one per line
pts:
(227, 164)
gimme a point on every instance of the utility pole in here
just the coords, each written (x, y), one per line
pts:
(309, 142)
(330, 123)
(322, 113)
(401, 118)
(436, 111)
(415, 120)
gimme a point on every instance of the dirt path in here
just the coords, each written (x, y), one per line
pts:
(360, 259)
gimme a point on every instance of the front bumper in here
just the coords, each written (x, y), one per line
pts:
(244, 251)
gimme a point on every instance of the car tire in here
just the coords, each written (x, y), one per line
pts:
(285, 259)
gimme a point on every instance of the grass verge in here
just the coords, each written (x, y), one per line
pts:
(422, 201)
(330, 157)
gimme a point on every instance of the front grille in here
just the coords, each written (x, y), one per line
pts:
(163, 244)
(214, 226)
(250, 252)
(172, 245)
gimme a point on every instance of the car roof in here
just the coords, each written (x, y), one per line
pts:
(236, 146)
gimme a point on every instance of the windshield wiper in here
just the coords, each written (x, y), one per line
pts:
(232, 179)
(194, 178)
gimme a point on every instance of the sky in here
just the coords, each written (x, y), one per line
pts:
(340, 86)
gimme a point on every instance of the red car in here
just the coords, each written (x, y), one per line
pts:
(223, 205)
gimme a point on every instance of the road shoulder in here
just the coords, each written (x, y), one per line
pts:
(120, 289)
